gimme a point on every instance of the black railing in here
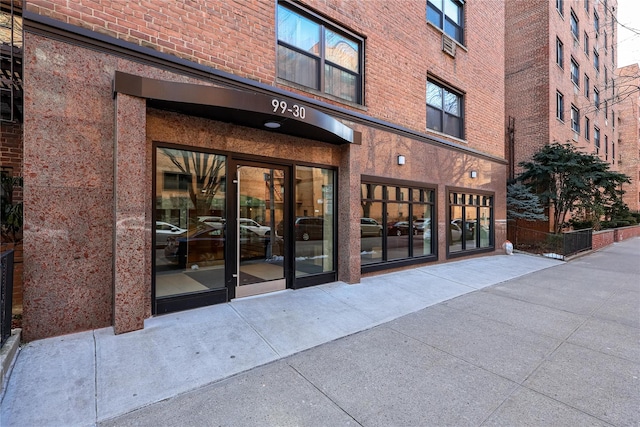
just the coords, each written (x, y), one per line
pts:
(6, 295)
(577, 241)
(558, 246)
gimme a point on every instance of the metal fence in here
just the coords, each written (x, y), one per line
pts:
(552, 245)
(6, 295)
(577, 241)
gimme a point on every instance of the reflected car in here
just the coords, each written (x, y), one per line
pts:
(398, 229)
(164, 230)
(422, 224)
(469, 228)
(370, 227)
(254, 226)
(203, 245)
(309, 228)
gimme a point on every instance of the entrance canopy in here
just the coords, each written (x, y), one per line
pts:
(256, 110)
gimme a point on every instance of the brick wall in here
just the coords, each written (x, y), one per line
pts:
(602, 238)
(401, 48)
(11, 151)
(629, 138)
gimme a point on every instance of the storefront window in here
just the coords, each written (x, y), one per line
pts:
(190, 225)
(315, 221)
(396, 223)
(470, 222)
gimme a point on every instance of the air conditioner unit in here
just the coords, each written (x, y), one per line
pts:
(448, 45)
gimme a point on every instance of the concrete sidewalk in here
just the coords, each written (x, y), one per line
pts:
(559, 346)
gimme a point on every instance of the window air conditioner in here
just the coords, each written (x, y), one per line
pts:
(448, 45)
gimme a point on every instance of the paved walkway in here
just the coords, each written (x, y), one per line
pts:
(498, 340)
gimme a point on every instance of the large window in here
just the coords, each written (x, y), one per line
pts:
(396, 223)
(318, 55)
(448, 16)
(470, 221)
(190, 207)
(559, 106)
(559, 53)
(315, 221)
(444, 110)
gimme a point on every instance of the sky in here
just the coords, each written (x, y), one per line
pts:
(628, 41)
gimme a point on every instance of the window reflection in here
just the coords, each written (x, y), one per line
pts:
(190, 226)
(314, 222)
(471, 223)
(396, 223)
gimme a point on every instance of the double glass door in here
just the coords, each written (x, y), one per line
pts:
(260, 212)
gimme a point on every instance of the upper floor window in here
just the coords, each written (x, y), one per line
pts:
(444, 110)
(560, 6)
(315, 54)
(559, 53)
(587, 124)
(560, 106)
(596, 60)
(586, 86)
(596, 98)
(575, 72)
(448, 16)
(596, 22)
(575, 119)
(586, 5)
(574, 26)
(596, 138)
(605, 41)
(586, 43)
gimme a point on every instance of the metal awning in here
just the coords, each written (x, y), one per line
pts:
(275, 113)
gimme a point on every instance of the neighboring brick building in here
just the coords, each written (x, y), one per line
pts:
(628, 99)
(560, 67)
(361, 136)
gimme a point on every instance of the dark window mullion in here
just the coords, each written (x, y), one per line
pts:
(321, 73)
(298, 50)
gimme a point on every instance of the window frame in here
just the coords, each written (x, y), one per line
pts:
(574, 25)
(575, 119)
(575, 72)
(559, 106)
(559, 53)
(596, 98)
(560, 7)
(596, 139)
(444, 18)
(587, 83)
(586, 44)
(386, 196)
(460, 97)
(321, 58)
(477, 195)
(587, 125)
(596, 60)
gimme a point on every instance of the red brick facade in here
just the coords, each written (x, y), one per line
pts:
(534, 78)
(77, 278)
(628, 123)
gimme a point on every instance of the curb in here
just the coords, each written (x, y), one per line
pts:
(8, 356)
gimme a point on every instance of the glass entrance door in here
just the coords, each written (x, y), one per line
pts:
(260, 211)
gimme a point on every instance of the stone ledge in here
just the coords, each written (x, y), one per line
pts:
(8, 355)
